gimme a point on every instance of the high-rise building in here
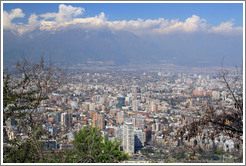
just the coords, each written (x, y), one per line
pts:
(138, 140)
(136, 104)
(215, 95)
(120, 117)
(118, 133)
(87, 106)
(156, 126)
(92, 106)
(147, 135)
(66, 120)
(98, 121)
(128, 138)
(120, 101)
(138, 121)
(92, 112)
(128, 100)
(136, 89)
(58, 117)
(101, 122)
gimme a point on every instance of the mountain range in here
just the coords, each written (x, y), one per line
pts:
(75, 46)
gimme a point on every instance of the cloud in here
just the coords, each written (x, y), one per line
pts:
(191, 24)
(67, 17)
(226, 28)
(161, 25)
(8, 17)
(33, 23)
(91, 22)
(140, 26)
(86, 23)
(136, 26)
(194, 23)
(65, 14)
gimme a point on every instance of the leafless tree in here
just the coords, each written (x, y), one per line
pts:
(222, 117)
(25, 94)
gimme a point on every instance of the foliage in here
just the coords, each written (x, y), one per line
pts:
(91, 147)
(179, 154)
(146, 151)
(21, 153)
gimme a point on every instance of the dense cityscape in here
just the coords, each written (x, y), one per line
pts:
(143, 110)
(123, 82)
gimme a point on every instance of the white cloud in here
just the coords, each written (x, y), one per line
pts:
(194, 23)
(33, 23)
(191, 24)
(65, 14)
(226, 28)
(67, 17)
(161, 25)
(91, 22)
(47, 25)
(8, 17)
(86, 23)
(21, 28)
(136, 26)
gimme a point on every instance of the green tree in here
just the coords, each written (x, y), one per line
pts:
(20, 153)
(91, 147)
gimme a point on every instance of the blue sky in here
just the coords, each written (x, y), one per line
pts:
(214, 13)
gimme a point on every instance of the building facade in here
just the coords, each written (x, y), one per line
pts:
(128, 138)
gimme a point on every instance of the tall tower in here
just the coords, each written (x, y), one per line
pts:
(66, 120)
(94, 119)
(128, 137)
(101, 122)
(98, 121)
